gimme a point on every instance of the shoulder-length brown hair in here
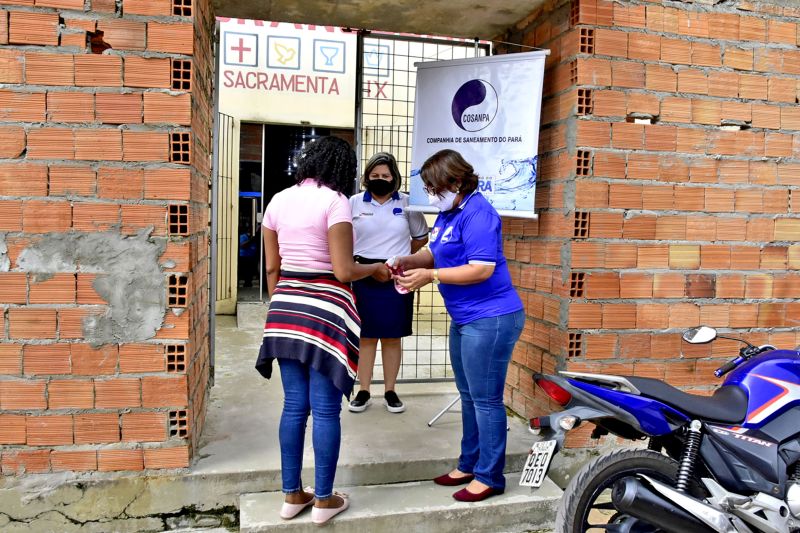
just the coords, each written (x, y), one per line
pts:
(382, 158)
(446, 167)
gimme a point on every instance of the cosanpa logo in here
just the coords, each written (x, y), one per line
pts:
(474, 105)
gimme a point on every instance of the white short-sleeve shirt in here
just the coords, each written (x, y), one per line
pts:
(385, 230)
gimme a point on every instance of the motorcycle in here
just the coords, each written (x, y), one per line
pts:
(726, 463)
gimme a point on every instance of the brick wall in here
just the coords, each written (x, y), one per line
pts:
(105, 138)
(670, 190)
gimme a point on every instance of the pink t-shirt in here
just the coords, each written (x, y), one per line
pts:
(301, 216)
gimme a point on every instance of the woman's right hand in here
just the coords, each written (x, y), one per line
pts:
(397, 262)
(382, 272)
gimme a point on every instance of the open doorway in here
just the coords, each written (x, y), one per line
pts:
(267, 155)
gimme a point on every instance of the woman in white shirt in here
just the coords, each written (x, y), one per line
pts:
(384, 228)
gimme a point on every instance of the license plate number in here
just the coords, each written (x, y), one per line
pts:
(538, 462)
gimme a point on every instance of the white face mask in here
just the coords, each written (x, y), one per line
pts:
(443, 202)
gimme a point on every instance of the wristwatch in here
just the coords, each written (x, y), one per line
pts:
(436, 276)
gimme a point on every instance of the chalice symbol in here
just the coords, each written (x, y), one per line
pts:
(330, 52)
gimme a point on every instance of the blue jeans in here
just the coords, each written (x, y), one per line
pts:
(480, 352)
(307, 391)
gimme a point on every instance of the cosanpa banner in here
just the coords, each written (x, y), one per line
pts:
(486, 108)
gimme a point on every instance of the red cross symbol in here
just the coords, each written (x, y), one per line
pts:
(241, 49)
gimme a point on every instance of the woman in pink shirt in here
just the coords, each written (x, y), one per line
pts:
(312, 326)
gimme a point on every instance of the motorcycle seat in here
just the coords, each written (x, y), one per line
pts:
(728, 404)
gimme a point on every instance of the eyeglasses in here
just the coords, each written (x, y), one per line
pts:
(429, 189)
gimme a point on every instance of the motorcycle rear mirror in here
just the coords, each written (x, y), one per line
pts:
(701, 335)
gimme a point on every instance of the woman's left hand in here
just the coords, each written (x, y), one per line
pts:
(414, 278)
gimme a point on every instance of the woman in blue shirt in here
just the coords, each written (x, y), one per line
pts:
(466, 260)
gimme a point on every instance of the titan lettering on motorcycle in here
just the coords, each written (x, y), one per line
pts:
(790, 392)
(751, 440)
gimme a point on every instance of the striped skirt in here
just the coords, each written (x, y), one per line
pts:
(312, 318)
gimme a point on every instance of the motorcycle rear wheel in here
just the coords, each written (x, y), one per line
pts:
(586, 506)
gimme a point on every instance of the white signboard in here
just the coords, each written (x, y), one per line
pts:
(285, 73)
(487, 109)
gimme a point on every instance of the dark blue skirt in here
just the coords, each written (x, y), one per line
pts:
(384, 312)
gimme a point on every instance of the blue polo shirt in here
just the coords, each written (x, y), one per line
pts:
(471, 234)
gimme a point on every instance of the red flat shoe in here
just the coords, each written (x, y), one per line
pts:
(466, 496)
(449, 481)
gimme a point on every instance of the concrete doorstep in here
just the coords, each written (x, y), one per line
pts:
(418, 507)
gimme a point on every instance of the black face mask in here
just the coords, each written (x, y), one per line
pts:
(380, 187)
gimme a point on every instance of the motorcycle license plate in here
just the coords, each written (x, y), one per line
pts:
(538, 462)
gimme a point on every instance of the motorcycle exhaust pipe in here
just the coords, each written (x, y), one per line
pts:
(632, 497)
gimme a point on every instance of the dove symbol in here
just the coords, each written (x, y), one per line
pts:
(285, 54)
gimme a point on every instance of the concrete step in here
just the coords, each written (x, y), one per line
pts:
(418, 507)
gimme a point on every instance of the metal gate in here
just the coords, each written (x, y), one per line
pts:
(384, 122)
(225, 213)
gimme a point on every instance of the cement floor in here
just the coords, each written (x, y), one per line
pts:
(244, 409)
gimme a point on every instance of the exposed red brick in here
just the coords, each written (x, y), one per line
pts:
(63, 4)
(70, 394)
(123, 34)
(98, 144)
(3, 26)
(69, 181)
(39, 216)
(12, 141)
(137, 217)
(11, 66)
(104, 6)
(144, 427)
(94, 217)
(70, 107)
(660, 78)
(74, 40)
(10, 359)
(117, 393)
(148, 72)
(23, 107)
(752, 29)
(147, 7)
(18, 394)
(70, 322)
(32, 323)
(54, 289)
(90, 361)
(33, 28)
(168, 109)
(175, 457)
(113, 460)
(137, 358)
(644, 46)
(26, 462)
(164, 392)
(49, 69)
(10, 215)
(49, 430)
(86, 290)
(145, 146)
(96, 428)
(120, 183)
(585, 316)
(51, 143)
(93, 70)
(76, 461)
(46, 359)
(12, 429)
(119, 108)
(170, 38)
(13, 287)
(167, 183)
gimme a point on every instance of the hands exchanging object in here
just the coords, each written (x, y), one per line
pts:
(410, 280)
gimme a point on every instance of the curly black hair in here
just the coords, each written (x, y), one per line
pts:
(329, 161)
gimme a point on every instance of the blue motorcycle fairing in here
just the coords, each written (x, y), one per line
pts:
(654, 417)
(772, 384)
